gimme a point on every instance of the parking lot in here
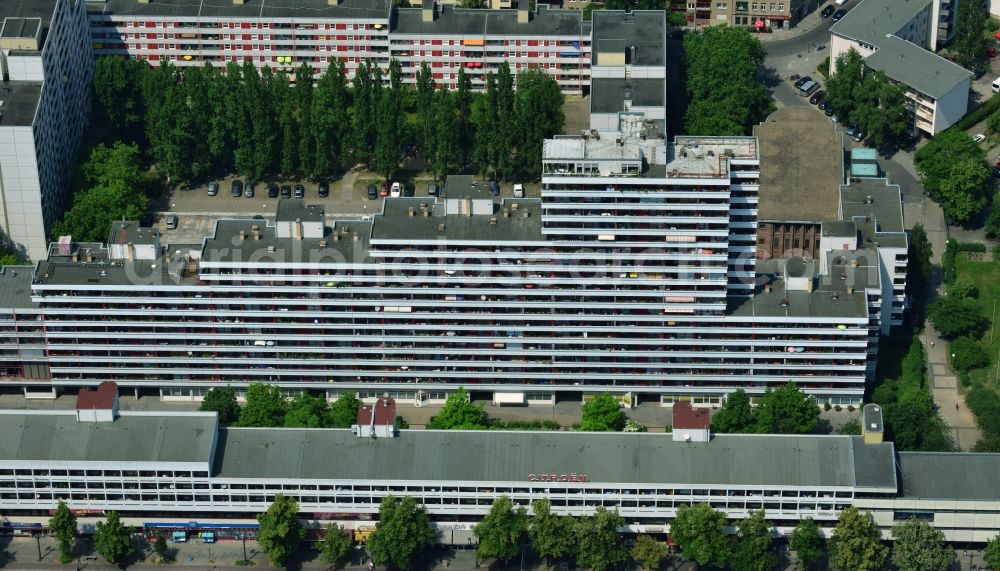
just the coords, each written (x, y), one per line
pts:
(196, 210)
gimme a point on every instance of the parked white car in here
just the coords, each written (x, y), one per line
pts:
(979, 138)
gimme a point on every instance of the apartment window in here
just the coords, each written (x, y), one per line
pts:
(781, 7)
(721, 5)
(772, 6)
(741, 6)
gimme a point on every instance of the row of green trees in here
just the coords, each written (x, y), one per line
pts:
(723, 67)
(403, 531)
(867, 97)
(856, 544)
(113, 539)
(199, 122)
(782, 410)
(600, 414)
(266, 406)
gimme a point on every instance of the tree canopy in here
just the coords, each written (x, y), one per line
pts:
(459, 414)
(307, 411)
(648, 553)
(807, 542)
(336, 544)
(550, 534)
(109, 186)
(344, 411)
(223, 401)
(199, 122)
(970, 40)
(62, 525)
(501, 532)
(725, 95)
(868, 98)
(736, 414)
(602, 414)
(753, 550)
(955, 174)
(991, 554)
(786, 410)
(917, 546)
(265, 406)
(280, 531)
(699, 531)
(857, 542)
(402, 532)
(599, 544)
(955, 316)
(113, 540)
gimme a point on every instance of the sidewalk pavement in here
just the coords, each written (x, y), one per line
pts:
(943, 383)
(22, 554)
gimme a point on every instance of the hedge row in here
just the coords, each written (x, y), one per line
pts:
(980, 114)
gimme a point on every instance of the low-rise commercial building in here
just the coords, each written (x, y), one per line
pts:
(169, 469)
(895, 36)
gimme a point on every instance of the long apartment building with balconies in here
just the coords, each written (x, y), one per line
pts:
(284, 34)
(633, 271)
(895, 36)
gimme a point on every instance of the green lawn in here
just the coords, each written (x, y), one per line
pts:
(986, 274)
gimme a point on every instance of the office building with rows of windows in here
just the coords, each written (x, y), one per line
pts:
(182, 471)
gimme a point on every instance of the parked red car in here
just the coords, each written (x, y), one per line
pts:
(991, 53)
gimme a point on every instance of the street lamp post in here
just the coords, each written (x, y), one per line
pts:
(38, 542)
(243, 536)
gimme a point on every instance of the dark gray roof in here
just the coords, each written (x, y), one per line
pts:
(269, 9)
(802, 157)
(477, 22)
(340, 244)
(607, 95)
(869, 21)
(47, 436)
(28, 9)
(645, 30)
(131, 232)
(20, 100)
(950, 476)
(922, 70)
(818, 303)
(20, 27)
(292, 209)
(751, 460)
(885, 206)
(873, 465)
(15, 287)
(522, 224)
(840, 228)
(875, 22)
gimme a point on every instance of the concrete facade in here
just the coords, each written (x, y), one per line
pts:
(37, 151)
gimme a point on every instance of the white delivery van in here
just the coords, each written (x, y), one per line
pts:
(996, 85)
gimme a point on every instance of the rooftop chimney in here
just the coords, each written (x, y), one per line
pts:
(99, 405)
(691, 424)
(377, 420)
(427, 11)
